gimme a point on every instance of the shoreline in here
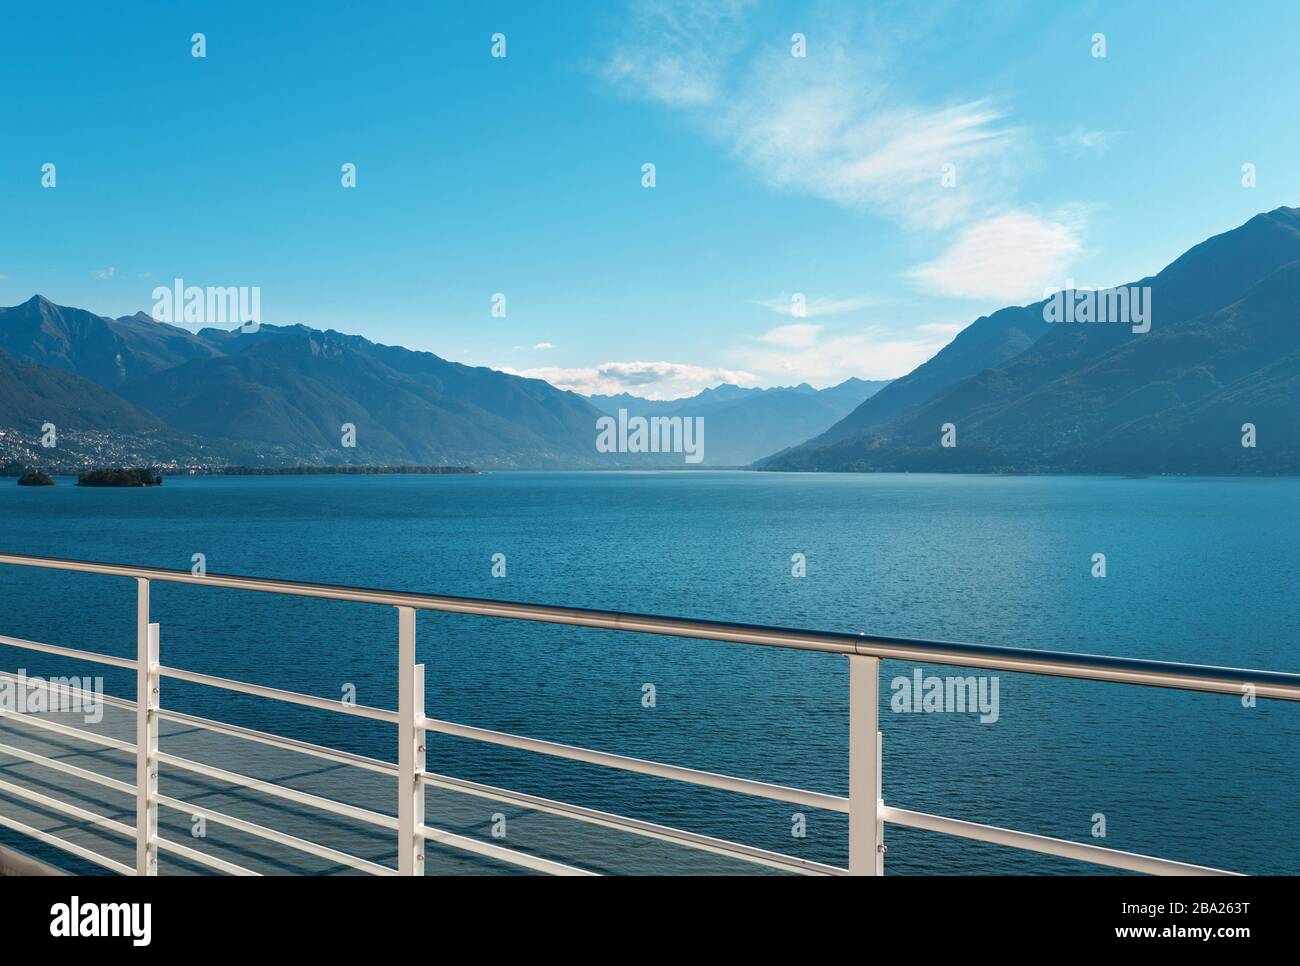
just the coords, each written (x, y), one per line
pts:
(324, 471)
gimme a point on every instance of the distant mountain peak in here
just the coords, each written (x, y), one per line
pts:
(1223, 350)
(37, 303)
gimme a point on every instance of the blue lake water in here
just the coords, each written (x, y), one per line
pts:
(1198, 570)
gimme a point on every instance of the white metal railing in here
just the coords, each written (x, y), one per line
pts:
(867, 812)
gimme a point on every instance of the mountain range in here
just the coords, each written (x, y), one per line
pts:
(277, 396)
(1013, 391)
(142, 390)
(744, 424)
(1026, 395)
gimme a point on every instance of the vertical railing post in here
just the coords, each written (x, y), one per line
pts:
(146, 735)
(866, 841)
(410, 748)
(417, 809)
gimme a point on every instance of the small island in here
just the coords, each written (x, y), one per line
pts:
(35, 478)
(120, 477)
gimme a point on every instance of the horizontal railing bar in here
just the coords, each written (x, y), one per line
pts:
(202, 858)
(281, 838)
(1047, 845)
(72, 847)
(1183, 676)
(276, 694)
(622, 823)
(447, 838)
(71, 652)
(530, 801)
(285, 744)
(633, 826)
(56, 765)
(745, 786)
(488, 850)
(279, 791)
(45, 801)
(1163, 674)
(49, 685)
(237, 731)
(338, 808)
(59, 729)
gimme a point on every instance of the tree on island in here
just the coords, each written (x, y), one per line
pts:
(35, 478)
(120, 477)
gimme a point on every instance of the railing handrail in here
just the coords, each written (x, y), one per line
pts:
(865, 805)
(1096, 667)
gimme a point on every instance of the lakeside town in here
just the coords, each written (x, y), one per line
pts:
(82, 452)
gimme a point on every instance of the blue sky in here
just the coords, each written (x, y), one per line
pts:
(775, 175)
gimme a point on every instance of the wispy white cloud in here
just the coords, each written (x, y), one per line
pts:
(829, 125)
(651, 380)
(542, 346)
(1081, 141)
(941, 328)
(839, 125)
(812, 308)
(870, 353)
(1012, 256)
(104, 273)
(831, 142)
(798, 352)
(675, 52)
(797, 335)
